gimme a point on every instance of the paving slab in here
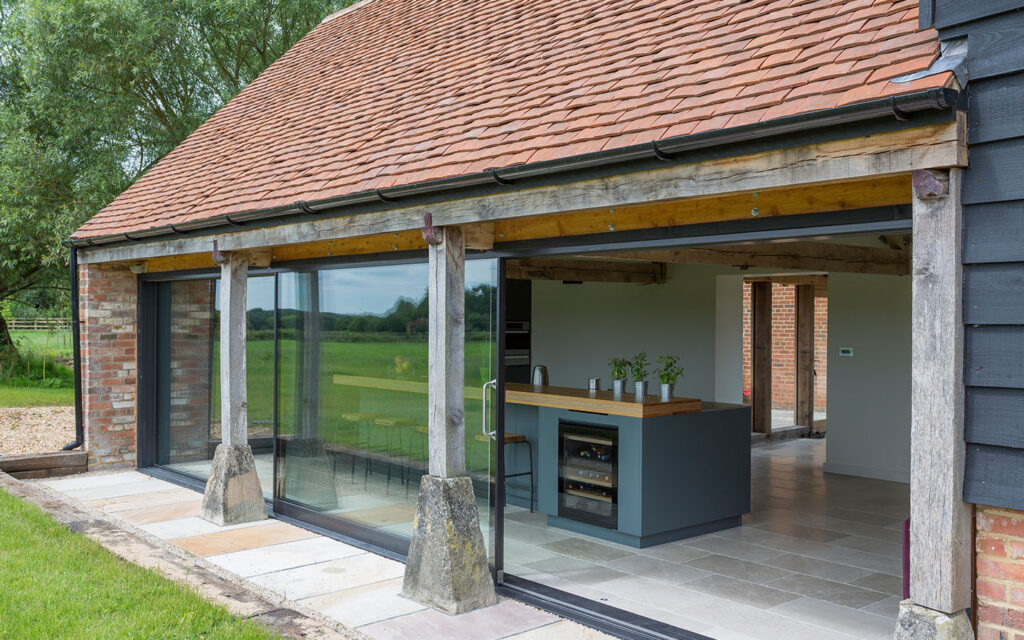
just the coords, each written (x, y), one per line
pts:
(211, 544)
(334, 575)
(498, 621)
(360, 606)
(287, 555)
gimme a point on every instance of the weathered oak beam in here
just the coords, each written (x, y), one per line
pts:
(803, 255)
(585, 270)
(940, 532)
(447, 356)
(862, 158)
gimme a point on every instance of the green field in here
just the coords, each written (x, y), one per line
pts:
(405, 361)
(55, 344)
(58, 584)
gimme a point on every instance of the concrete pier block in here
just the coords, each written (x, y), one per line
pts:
(233, 494)
(447, 567)
(921, 623)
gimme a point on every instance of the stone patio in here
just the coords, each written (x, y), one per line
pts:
(356, 588)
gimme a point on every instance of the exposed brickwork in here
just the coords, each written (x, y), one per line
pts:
(1000, 565)
(192, 332)
(784, 347)
(107, 305)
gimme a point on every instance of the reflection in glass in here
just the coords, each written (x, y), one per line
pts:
(188, 375)
(352, 391)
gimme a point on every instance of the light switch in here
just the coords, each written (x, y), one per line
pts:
(846, 351)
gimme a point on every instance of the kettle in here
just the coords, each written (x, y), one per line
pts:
(540, 376)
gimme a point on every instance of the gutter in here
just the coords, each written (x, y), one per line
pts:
(668, 150)
(76, 348)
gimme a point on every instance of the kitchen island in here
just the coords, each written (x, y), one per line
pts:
(639, 472)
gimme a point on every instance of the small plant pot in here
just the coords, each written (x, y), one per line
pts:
(666, 392)
(640, 388)
(618, 386)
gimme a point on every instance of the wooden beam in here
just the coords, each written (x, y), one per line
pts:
(805, 355)
(941, 552)
(801, 255)
(761, 394)
(479, 236)
(835, 161)
(233, 415)
(446, 353)
(585, 270)
(818, 281)
(819, 198)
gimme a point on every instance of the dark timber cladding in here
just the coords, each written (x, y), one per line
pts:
(993, 244)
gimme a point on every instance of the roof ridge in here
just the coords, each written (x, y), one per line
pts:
(347, 9)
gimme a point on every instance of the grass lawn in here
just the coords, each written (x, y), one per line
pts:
(35, 397)
(55, 583)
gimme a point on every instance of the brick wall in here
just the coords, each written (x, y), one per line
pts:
(1000, 566)
(107, 305)
(784, 347)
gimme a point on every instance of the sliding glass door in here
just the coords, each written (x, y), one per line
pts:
(352, 410)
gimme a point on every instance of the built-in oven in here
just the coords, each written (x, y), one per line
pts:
(588, 481)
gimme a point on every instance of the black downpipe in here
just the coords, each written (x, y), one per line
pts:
(76, 352)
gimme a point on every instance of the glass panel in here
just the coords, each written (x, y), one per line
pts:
(352, 392)
(188, 375)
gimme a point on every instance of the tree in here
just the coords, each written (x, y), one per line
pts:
(93, 93)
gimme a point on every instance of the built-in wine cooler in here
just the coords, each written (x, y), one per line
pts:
(588, 481)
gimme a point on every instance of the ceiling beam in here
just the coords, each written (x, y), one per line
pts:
(802, 256)
(585, 270)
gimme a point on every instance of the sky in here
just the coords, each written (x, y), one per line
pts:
(362, 290)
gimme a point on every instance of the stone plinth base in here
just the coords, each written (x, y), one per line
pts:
(447, 566)
(233, 494)
(920, 623)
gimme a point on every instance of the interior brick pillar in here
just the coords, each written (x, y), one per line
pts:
(108, 308)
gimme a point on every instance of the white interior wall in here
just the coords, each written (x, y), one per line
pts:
(869, 392)
(577, 328)
(729, 339)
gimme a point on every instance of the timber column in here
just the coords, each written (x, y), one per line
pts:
(940, 520)
(233, 494)
(447, 566)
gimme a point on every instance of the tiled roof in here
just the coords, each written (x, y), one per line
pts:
(395, 92)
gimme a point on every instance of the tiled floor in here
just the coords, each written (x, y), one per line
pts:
(818, 558)
(359, 589)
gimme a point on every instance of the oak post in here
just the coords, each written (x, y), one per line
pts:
(940, 520)
(446, 352)
(805, 355)
(233, 404)
(761, 378)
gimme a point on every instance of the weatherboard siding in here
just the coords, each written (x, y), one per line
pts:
(993, 245)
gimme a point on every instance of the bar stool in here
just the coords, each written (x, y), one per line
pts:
(518, 438)
(362, 421)
(394, 426)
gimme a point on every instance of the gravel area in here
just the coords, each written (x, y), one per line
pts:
(36, 430)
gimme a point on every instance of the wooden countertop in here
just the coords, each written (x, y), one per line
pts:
(597, 401)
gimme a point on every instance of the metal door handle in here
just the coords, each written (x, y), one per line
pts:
(492, 384)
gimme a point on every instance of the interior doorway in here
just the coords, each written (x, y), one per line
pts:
(785, 347)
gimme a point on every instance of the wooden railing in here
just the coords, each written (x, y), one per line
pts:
(39, 324)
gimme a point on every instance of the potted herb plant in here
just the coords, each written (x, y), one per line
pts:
(619, 368)
(670, 372)
(638, 367)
